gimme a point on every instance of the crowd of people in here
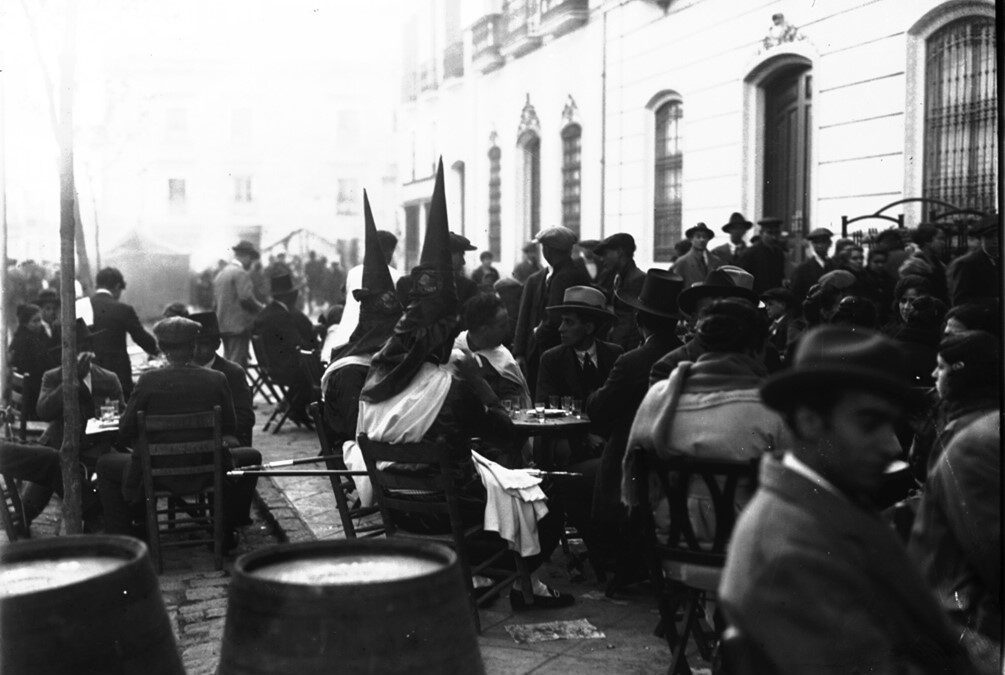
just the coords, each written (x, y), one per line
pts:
(866, 383)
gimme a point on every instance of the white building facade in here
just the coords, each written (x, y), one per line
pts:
(648, 117)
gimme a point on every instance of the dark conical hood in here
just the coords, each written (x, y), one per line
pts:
(379, 309)
(427, 328)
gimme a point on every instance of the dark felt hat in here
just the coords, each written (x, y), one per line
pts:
(282, 284)
(84, 336)
(245, 246)
(737, 221)
(47, 296)
(700, 227)
(658, 296)
(618, 240)
(209, 325)
(459, 243)
(728, 281)
(989, 223)
(844, 357)
(782, 295)
(586, 301)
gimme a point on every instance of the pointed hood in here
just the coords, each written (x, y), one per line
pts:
(426, 330)
(379, 309)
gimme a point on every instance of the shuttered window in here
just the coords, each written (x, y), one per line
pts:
(571, 176)
(495, 199)
(668, 174)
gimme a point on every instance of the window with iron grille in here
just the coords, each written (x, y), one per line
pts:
(242, 189)
(571, 176)
(176, 191)
(531, 144)
(668, 172)
(495, 200)
(961, 116)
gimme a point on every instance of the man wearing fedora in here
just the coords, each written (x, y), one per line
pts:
(113, 320)
(284, 331)
(536, 328)
(726, 282)
(206, 345)
(808, 272)
(618, 255)
(236, 304)
(736, 227)
(466, 287)
(48, 301)
(814, 580)
(695, 265)
(976, 276)
(766, 259)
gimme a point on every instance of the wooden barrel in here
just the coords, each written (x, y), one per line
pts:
(83, 604)
(354, 606)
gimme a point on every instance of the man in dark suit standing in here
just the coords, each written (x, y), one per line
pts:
(730, 252)
(537, 329)
(696, 264)
(811, 529)
(976, 276)
(179, 387)
(206, 346)
(808, 272)
(618, 254)
(766, 259)
(284, 330)
(466, 287)
(112, 321)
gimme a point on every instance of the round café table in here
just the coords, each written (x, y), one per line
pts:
(547, 432)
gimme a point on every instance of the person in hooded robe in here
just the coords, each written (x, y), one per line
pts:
(415, 392)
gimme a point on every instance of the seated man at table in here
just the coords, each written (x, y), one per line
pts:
(95, 386)
(206, 346)
(38, 467)
(815, 581)
(415, 393)
(179, 387)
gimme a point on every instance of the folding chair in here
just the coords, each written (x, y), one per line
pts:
(258, 384)
(687, 570)
(282, 409)
(189, 475)
(431, 493)
(27, 430)
(12, 511)
(343, 485)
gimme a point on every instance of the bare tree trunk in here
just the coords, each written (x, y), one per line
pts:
(69, 453)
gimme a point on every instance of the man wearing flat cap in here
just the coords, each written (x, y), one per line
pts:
(236, 304)
(618, 254)
(815, 581)
(179, 387)
(766, 259)
(976, 276)
(808, 272)
(736, 227)
(695, 265)
(536, 329)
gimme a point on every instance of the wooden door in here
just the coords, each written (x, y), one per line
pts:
(788, 121)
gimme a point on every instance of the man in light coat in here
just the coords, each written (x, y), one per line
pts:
(236, 304)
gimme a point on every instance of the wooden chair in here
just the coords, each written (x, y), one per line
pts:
(439, 500)
(197, 507)
(310, 364)
(687, 570)
(282, 409)
(342, 486)
(26, 430)
(12, 511)
(258, 384)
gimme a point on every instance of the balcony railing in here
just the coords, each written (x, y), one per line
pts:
(561, 16)
(453, 60)
(485, 39)
(427, 76)
(522, 18)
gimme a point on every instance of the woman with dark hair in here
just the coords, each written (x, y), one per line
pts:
(29, 354)
(852, 258)
(927, 260)
(907, 289)
(876, 284)
(920, 335)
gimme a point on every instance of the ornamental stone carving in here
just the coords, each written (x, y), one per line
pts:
(570, 113)
(528, 120)
(780, 32)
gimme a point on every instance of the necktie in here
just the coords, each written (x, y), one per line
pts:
(702, 265)
(590, 374)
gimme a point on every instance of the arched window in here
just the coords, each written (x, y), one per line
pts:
(530, 145)
(961, 114)
(668, 172)
(495, 200)
(571, 176)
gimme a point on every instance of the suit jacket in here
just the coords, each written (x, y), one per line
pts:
(173, 389)
(819, 584)
(104, 385)
(688, 267)
(240, 392)
(625, 332)
(689, 351)
(561, 375)
(726, 255)
(806, 274)
(234, 294)
(612, 409)
(283, 331)
(116, 319)
(974, 277)
(767, 264)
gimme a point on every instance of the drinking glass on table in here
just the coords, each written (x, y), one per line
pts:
(577, 407)
(567, 404)
(109, 410)
(554, 402)
(539, 409)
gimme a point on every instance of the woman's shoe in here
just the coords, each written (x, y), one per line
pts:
(554, 600)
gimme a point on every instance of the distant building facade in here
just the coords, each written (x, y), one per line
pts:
(647, 117)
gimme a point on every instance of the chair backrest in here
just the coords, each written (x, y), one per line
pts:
(392, 487)
(17, 403)
(310, 363)
(167, 459)
(261, 356)
(676, 476)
